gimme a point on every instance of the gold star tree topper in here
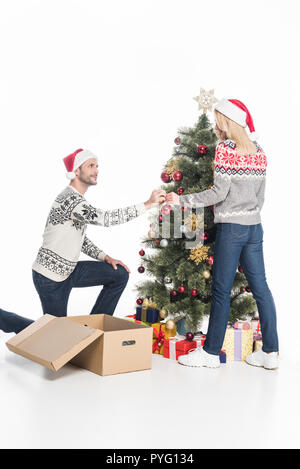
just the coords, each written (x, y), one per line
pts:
(205, 100)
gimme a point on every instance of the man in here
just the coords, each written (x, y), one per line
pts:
(56, 269)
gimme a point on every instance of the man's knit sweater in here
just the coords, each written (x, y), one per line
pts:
(64, 236)
(239, 186)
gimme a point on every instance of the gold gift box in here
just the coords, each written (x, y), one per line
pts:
(238, 344)
(167, 334)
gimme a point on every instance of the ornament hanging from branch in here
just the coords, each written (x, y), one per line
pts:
(166, 209)
(199, 253)
(177, 176)
(165, 177)
(202, 149)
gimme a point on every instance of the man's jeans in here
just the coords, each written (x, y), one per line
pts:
(244, 243)
(54, 296)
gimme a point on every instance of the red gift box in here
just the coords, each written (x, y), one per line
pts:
(181, 346)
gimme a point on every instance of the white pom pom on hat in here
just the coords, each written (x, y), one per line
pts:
(239, 113)
(71, 175)
(76, 159)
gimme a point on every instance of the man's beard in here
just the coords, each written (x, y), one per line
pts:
(88, 181)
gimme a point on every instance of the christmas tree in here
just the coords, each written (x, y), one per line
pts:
(180, 279)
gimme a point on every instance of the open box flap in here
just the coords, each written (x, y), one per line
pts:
(52, 341)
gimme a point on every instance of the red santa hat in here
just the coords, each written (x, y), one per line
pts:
(76, 159)
(238, 112)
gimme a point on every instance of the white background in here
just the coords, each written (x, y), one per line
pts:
(118, 78)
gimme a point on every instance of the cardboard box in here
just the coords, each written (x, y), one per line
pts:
(100, 343)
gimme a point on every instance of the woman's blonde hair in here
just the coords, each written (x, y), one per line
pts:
(227, 128)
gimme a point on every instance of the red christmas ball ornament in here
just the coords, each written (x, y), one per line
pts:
(139, 301)
(242, 289)
(248, 289)
(240, 269)
(177, 176)
(166, 209)
(174, 293)
(141, 269)
(189, 336)
(181, 289)
(202, 149)
(157, 241)
(210, 260)
(180, 190)
(194, 292)
(204, 236)
(165, 177)
(177, 140)
(142, 252)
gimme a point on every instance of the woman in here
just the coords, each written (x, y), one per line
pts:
(237, 196)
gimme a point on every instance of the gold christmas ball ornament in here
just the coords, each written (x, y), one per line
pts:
(170, 324)
(163, 314)
(206, 273)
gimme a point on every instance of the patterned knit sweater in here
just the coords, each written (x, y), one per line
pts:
(64, 236)
(239, 186)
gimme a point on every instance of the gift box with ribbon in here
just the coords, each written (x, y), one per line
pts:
(245, 325)
(160, 335)
(222, 356)
(238, 343)
(255, 326)
(200, 339)
(176, 346)
(132, 318)
(257, 342)
(148, 312)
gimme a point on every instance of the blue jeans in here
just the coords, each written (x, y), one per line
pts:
(54, 296)
(239, 243)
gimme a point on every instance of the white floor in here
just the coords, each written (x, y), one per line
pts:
(170, 406)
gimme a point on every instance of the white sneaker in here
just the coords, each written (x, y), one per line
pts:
(198, 357)
(270, 361)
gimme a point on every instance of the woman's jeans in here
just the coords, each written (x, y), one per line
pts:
(244, 243)
(54, 296)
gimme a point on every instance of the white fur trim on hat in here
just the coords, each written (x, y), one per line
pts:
(71, 175)
(81, 157)
(232, 111)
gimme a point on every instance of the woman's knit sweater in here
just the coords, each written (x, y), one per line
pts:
(239, 186)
